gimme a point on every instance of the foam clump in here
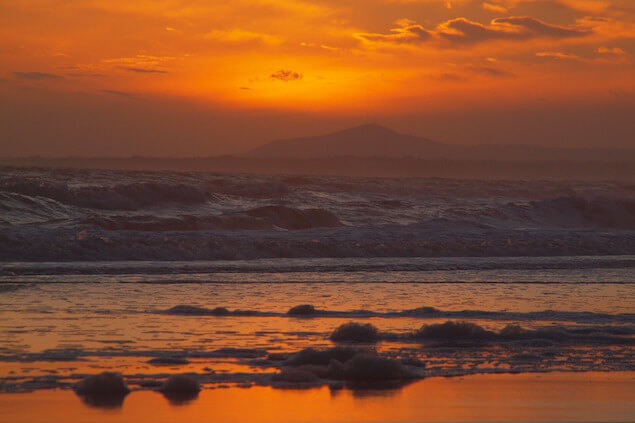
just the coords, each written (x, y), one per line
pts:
(366, 367)
(423, 311)
(220, 311)
(302, 310)
(513, 331)
(277, 356)
(180, 384)
(106, 383)
(321, 357)
(413, 361)
(295, 375)
(188, 310)
(355, 333)
(180, 389)
(344, 364)
(453, 331)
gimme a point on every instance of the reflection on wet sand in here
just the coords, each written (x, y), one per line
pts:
(105, 401)
(534, 397)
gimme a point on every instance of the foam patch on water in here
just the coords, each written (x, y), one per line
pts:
(425, 312)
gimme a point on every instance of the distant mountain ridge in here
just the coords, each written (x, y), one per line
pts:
(373, 140)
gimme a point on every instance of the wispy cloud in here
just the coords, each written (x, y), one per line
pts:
(408, 32)
(36, 76)
(615, 51)
(488, 71)
(140, 60)
(493, 7)
(467, 71)
(461, 31)
(557, 55)
(117, 92)
(143, 70)
(242, 37)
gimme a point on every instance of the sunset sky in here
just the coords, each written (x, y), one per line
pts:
(203, 77)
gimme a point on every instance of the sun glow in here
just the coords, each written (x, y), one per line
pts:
(319, 56)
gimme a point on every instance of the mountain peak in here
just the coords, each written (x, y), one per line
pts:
(373, 140)
(369, 128)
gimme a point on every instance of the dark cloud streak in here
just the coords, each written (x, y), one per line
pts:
(461, 31)
(36, 76)
(408, 34)
(116, 92)
(143, 70)
(542, 29)
(488, 71)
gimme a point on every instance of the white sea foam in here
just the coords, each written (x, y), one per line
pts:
(114, 215)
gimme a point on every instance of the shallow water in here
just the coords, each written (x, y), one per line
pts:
(65, 321)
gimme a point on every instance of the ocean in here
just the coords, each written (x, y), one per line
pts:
(270, 282)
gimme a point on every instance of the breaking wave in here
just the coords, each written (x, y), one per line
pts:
(463, 331)
(307, 310)
(578, 212)
(130, 196)
(255, 219)
(44, 213)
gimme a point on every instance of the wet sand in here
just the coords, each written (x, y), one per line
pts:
(590, 396)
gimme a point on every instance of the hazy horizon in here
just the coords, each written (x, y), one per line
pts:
(254, 145)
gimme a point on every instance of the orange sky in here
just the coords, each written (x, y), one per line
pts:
(199, 77)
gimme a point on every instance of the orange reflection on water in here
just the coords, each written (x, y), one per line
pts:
(555, 396)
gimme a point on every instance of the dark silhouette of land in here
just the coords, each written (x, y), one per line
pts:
(372, 150)
(378, 141)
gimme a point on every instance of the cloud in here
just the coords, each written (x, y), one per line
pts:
(139, 61)
(541, 29)
(616, 51)
(143, 70)
(449, 77)
(473, 69)
(36, 76)
(461, 31)
(493, 7)
(407, 33)
(286, 75)
(557, 55)
(328, 48)
(86, 75)
(488, 71)
(320, 46)
(116, 92)
(605, 56)
(241, 36)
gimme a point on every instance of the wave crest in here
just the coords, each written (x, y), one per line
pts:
(129, 196)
